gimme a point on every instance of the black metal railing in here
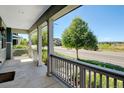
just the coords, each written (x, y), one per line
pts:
(84, 75)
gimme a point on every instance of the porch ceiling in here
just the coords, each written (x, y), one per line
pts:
(21, 16)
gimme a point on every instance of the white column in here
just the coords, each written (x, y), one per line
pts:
(50, 45)
(39, 35)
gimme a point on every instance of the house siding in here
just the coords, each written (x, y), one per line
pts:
(2, 50)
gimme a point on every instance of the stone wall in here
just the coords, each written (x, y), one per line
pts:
(2, 50)
(2, 55)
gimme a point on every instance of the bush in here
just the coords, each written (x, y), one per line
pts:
(44, 56)
(20, 52)
(104, 46)
(24, 42)
(20, 47)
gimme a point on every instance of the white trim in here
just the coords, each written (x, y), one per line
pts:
(43, 25)
(9, 42)
(40, 27)
(22, 31)
(50, 45)
(64, 11)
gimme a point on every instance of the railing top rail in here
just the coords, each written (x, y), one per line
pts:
(94, 67)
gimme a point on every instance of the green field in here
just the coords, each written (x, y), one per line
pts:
(111, 47)
(95, 62)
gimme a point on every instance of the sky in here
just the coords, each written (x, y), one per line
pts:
(106, 22)
(25, 36)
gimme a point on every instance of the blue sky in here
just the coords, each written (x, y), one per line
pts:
(24, 36)
(106, 22)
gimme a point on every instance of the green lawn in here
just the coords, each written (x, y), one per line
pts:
(111, 47)
(95, 62)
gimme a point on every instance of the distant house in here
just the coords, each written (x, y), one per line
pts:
(16, 39)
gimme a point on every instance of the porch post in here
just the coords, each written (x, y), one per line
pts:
(30, 44)
(39, 47)
(50, 46)
(9, 44)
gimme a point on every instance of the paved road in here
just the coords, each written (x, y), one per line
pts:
(116, 58)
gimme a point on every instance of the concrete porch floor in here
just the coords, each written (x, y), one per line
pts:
(28, 75)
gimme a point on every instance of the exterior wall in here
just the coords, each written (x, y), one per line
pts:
(2, 50)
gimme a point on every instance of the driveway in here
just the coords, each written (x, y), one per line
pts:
(116, 58)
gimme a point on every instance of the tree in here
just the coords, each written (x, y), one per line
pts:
(34, 39)
(77, 35)
(91, 41)
(23, 42)
(44, 38)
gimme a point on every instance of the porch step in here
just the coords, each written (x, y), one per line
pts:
(8, 76)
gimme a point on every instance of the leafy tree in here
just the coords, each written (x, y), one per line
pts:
(44, 38)
(34, 39)
(23, 42)
(91, 41)
(77, 36)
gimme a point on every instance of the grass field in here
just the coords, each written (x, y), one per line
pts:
(111, 47)
(95, 62)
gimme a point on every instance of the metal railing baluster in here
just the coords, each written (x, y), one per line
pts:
(74, 73)
(107, 81)
(67, 73)
(89, 79)
(94, 79)
(76, 76)
(115, 83)
(70, 75)
(123, 84)
(100, 81)
(73, 77)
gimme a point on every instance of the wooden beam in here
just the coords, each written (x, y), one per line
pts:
(49, 13)
(64, 11)
(21, 31)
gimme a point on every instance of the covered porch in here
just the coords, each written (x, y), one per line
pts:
(28, 75)
(59, 71)
(29, 70)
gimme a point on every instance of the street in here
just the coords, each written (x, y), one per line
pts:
(116, 58)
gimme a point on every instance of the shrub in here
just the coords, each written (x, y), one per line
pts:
(20, 52)
(44, 56)
(20, 47)
(24, 42)
(104, 46)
